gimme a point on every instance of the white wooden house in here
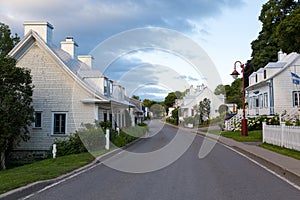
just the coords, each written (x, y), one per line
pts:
(193, 98)
(275, 89)
(67, 91)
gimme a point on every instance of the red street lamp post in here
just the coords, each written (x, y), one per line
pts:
(235, 74)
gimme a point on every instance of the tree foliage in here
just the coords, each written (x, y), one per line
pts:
(16, 111)
(266, 46)
(288, 34)
(148, 103)
(136, 97)
(234, 92)
(7, 42)
(220, 89)
(204, 108)
(171, 97)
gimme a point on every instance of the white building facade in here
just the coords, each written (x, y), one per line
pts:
(193, 98)
(275, 88)
(67, 91)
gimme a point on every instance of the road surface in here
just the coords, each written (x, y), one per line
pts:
(222, 174)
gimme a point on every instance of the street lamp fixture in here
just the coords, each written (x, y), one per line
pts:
(235, 75)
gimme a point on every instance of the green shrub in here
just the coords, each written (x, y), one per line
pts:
(105, 125)
(172, 120)
(143, 124)
(297, 122)
(71, 145)
(89, 138)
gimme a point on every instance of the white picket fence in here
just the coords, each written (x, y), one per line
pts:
(282, 135)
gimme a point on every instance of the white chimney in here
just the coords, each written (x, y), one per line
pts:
(43, 29)
(87, 59)
(281, 55)
(69, 46)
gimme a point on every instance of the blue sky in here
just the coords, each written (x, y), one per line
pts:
(224, 30)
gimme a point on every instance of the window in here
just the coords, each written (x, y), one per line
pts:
(250, 103)
(105, 116)
(296, 98)
(37, 120)
(110, 88)
(256, 102)
(261, 101)
(106, 87)
(265, 100)
(256, 79)
(265, 74)
(59, 123)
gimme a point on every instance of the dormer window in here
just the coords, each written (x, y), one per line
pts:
(106, 87)
(111, 88)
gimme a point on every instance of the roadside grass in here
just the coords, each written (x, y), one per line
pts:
(42, 170)
(253, 136)
(256, 136)
(51, 168)
(284, 151)
(212, 131)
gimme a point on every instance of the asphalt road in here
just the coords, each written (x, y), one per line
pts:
(222, 174)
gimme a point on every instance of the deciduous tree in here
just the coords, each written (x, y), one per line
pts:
(265, 47)
(16, 111)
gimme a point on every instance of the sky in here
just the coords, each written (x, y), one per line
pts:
(151, 47)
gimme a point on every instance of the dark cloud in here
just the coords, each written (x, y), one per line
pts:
(91, 21)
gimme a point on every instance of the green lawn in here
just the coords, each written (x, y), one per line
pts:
(253, 136)
(42, 170)
(282, 150)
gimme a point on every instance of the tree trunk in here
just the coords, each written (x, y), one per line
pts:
(2, 156)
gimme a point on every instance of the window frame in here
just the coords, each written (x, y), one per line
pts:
(34, 124)
(111, 88)
(53, 123)
(266, 100)
(261, 101)
(105, 87)
(265, 74)
(297, 95)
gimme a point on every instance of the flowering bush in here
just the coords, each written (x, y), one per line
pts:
(255, 123)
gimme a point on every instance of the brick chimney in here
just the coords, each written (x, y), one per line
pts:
(43, 29)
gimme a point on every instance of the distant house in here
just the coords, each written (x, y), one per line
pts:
(193, 98)
(137, 112)
(67, 91)
(275, 89)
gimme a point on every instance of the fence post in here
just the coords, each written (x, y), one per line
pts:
(263, 131)
(54, 150)
(282, 124)
(107, 139)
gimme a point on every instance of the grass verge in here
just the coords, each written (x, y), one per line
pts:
(253, 136)
(284, 151)
(42, 170)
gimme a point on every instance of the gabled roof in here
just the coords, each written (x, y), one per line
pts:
(275, 65)
(70, 65)
(283, 64)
